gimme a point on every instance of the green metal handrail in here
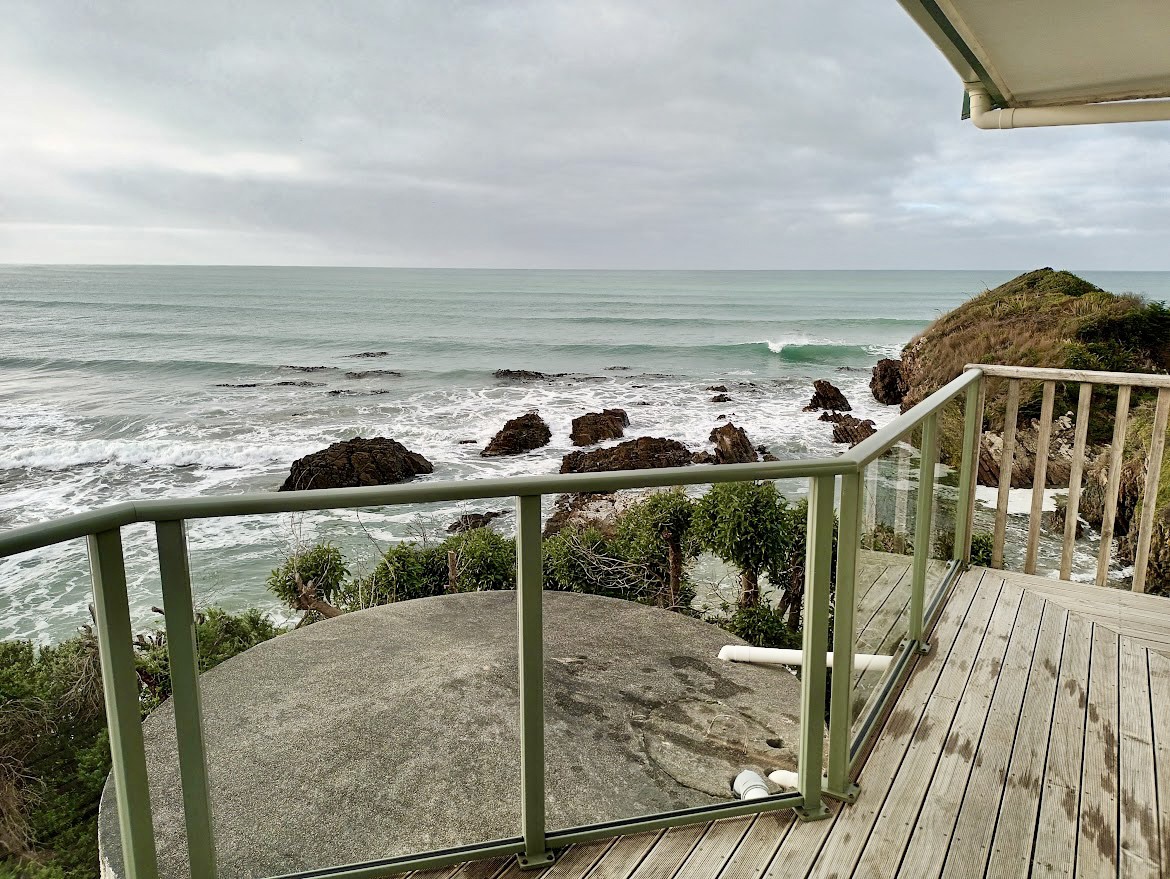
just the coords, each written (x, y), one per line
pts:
(102, 529)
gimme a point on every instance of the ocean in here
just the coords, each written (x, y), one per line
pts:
(144, 382)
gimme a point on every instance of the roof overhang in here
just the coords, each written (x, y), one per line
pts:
(1014, 55)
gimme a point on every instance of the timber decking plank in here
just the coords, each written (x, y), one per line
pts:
(1138, 838)
(1159, 666)
(759, 845)
(803, 845)
(669, 852)
(721, 839)
(572, 862)
(1015, 824)
(1056, 837)
(853, 824)
(906, 810)
(1097, 817)
(624, 856)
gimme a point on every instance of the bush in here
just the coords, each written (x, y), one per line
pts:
(655, 534)
(484, 560)
(752, 526)
(54, 749)
(320, 569)
(761, 625)
(406, 570)
(981, 545)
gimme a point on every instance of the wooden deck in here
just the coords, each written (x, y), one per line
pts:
(1034, 740)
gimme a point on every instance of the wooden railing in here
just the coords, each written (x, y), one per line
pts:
(1049, 379)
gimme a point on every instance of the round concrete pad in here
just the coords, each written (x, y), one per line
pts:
(396, 730)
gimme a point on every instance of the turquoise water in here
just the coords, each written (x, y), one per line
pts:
(123, 382)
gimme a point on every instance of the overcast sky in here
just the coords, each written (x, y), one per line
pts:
(732, 134)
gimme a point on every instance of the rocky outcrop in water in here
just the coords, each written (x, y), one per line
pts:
(521, 375)
(639, 454)
(356, 462)
(888, 384)
(1024, 458)
(471, 521)
(826, 395)
(367, 354)
(721, 398)
(373, 373)
(848, 428)
(519, 435)
(732, 445)
(596, 427)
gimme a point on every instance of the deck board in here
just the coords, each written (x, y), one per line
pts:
(1032, 741)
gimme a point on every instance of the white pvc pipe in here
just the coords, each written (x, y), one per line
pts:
(750, 785)
(1083, 114)
(784, 778)
(779, 656)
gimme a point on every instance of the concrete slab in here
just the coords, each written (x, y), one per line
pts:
(396, 730)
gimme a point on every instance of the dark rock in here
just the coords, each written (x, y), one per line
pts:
(355, 462)
(721, 417)
(761, 449)
(852, 430)
(1024, 457)
(638, 454)
(721, 398)
(520, 375)
(827, 396)
(617, 368)
(768, 456)
(298, 384)
(471, 521)
(337, 392)
(717, 388)
(732, 445)
(248, 385)
(832, 417)
(703, 457)
(371, 373)
(369, 354)
(596, 427)
(469, 442)
(519, 435)
(307, 368)
(888, 384)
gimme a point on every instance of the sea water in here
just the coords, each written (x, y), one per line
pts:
(145, 382)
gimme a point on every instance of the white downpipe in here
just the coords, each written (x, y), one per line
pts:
(784, 778)
(778, 656)
(750, 785)
(1042, 117)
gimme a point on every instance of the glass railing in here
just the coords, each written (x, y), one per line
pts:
(879, 482)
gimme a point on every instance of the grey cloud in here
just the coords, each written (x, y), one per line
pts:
(621, 134)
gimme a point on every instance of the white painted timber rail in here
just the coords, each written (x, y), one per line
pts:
(1131, 389)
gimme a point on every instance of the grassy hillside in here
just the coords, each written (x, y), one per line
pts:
(1041, 318)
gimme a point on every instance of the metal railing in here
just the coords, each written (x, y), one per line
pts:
(535, 843)
(1124, 384)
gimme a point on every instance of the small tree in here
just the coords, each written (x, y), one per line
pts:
(309, 579)
(749, 525)
(656, 532)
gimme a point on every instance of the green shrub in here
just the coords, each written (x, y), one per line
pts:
(656, 536)
(54, 749)
(761, 625)
(751, 525)
(981, 545)
(484, 560)
(406, 570)
(319, 568)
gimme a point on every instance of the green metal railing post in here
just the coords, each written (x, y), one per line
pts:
(123, 710)
(818, 561)
(841, 690)
(183, 655)
(529, 593)
(923, 511)
(969, 470)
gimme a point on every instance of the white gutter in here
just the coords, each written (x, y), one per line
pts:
(1042, 117)
(778, 656)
